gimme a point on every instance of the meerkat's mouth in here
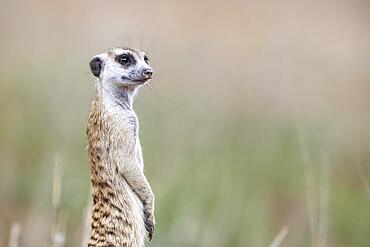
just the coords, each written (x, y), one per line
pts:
(141, 80)
(136, 81)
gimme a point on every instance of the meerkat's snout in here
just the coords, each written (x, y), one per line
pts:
(148, 73)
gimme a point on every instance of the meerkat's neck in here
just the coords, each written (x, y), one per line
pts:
(120, 95)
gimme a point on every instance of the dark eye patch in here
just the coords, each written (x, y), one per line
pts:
(146, 59)
(125, 59)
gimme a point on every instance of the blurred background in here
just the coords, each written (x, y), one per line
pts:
(258, 134)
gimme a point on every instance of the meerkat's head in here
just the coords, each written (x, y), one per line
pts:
(122, 66)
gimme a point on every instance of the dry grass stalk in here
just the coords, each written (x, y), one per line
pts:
(324, 201)
(280, 237)
(60, 218)
(310, 184)
(317, 203)
(86, 223)
(15, 233)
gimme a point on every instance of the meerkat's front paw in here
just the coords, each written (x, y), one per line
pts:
(149, 222)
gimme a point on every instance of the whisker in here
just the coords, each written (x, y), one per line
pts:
(154, 91)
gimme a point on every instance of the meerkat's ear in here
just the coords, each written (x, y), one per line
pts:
(96, 65)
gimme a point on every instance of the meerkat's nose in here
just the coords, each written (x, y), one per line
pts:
(147, 72)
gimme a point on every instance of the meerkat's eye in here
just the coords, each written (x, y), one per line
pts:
(124, 60)
(146, 59)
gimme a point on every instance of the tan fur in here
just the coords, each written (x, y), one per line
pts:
(122, 197)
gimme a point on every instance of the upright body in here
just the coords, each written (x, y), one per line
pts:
(123, 202)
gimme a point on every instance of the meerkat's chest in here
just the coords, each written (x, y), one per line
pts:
(127, 127)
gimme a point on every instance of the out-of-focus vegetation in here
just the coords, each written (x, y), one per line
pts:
(263, 125)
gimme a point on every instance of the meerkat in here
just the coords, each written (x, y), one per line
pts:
(123, 201)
